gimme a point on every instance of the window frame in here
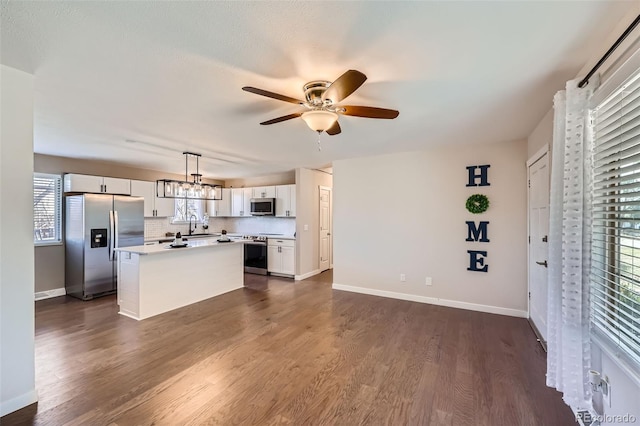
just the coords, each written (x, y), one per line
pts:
(57, 216)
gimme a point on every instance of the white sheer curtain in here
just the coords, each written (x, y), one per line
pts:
(569, 355)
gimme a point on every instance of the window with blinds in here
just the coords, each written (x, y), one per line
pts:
(188, 208)
(615, 275)
(47, 209)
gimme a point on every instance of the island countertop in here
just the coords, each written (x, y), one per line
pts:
(150, 283)
(192, 244)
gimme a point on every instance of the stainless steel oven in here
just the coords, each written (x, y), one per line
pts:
(255, 256)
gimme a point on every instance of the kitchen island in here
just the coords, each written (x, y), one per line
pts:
(153, 279)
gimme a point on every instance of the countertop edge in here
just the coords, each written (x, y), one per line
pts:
(163, 248)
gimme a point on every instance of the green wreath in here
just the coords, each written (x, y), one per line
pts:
(477, 203)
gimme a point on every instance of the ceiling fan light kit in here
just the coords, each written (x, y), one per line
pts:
(321, 100)
(193, 190)
(319, 120)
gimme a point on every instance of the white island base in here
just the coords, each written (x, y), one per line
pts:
(153, 279)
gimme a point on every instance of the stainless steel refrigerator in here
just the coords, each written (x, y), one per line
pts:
(95, 225)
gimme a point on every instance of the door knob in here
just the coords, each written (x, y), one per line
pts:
(543, 263)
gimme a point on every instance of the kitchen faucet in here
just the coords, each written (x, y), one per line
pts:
(195, 227)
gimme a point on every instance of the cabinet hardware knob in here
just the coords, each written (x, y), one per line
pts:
(543, 263)
(544, 239)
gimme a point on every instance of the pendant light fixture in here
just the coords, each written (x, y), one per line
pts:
(194, 189)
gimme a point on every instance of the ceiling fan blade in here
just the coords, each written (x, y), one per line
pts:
(335, 129)
(272, 95)
(279, 119)
(368, 112)
(345, 85)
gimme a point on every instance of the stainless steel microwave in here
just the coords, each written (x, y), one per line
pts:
(263, 207)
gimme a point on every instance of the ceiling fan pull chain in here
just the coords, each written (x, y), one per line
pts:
(319, 146)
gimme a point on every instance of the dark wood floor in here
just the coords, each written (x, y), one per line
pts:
(277, 352)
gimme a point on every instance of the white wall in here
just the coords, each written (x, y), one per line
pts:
(405, 214)
(541, 135)
(17, 368)
(308, 213)
(284, 178)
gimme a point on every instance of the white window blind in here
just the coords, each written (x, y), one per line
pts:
(615, 275)
(47, 209)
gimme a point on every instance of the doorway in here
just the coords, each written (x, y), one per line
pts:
(325, 238)
(538, 202)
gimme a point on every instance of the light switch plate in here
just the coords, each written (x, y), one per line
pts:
(306, 227)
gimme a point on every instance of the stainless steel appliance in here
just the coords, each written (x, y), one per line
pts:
(95, 225)
(255, 254)
(263, 206)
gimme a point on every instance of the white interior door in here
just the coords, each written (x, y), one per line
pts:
(538, 246)
(325, 228)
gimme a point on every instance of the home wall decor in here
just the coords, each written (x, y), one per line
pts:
(477, 204)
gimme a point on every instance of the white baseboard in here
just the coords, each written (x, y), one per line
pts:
(433, 301)
(48, 294)
(18, 402)
(307, 275)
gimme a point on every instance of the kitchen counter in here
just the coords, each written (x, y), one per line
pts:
(170, 239)
(192, 244)
(154, 279)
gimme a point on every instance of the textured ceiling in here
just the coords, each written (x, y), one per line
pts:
(140, 82)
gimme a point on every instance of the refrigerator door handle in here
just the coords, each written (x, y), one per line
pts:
(116, 231)
(112, 228)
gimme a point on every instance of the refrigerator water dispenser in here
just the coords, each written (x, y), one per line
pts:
(98, 237)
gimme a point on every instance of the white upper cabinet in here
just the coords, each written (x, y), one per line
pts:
(264, 192)
(153, 205)
(165, 207)
(141, 188)
(220, 208)
(241, 201)
(117, 186)
(97, 184)
(285, 200)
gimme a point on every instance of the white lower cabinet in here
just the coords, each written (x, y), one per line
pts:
(281, 256)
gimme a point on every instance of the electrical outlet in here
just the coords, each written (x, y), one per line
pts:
(427, 281)
(306, 227)
(403, 277)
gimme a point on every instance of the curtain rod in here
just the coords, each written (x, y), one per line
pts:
(619, 41)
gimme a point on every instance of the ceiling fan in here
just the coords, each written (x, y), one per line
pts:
(321, 100)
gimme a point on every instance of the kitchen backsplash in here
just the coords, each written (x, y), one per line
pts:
(158, 227)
